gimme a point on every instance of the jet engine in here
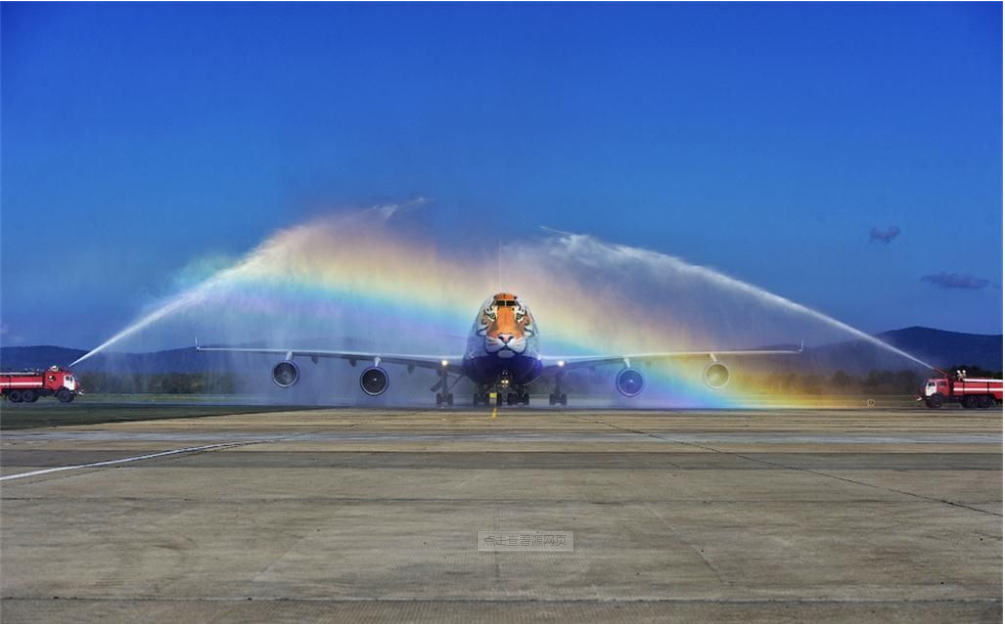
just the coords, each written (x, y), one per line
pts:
(630, 382)
(285, 374)
(716, 375)
(373, 381)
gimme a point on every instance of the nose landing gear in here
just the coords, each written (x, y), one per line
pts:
(518, 397)
(515, 395)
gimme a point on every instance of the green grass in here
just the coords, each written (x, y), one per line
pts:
(82, 412)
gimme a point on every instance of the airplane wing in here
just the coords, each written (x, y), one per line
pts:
(453, 364)
(553, 364)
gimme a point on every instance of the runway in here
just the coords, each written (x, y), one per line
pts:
(364, 515)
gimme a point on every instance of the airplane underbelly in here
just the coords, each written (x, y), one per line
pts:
(488, 369)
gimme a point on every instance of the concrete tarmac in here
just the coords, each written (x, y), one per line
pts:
(371, 515)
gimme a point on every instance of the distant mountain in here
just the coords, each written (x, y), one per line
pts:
(186, 360)
(937, 347)
(946, 348)
(22, 358)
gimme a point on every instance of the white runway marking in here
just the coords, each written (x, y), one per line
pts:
(124, 460)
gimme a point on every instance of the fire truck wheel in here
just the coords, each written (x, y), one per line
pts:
(984, 402)
(64, 395)
(970, 402)
(934, 401)
(29, 396)
(14, 396)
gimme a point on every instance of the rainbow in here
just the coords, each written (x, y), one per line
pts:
(362, 273)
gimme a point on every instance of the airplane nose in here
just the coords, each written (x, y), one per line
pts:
(505, 338)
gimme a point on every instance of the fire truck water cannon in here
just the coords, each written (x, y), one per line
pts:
(28, 386)
(969, 392)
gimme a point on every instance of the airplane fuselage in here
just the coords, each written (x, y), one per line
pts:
(503, 344)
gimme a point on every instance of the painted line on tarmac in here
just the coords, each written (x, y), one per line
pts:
(125, 460)
(190, 449)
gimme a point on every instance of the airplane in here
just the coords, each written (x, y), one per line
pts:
(502, 354)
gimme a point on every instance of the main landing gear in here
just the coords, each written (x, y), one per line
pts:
(558, 397)
(516, 398)
(446, 397)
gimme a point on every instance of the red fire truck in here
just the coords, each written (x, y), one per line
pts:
(970, 393)
(27, 386)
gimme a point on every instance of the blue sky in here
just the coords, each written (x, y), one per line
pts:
(764, 140)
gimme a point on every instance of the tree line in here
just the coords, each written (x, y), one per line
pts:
(159, 383)
(883, 382)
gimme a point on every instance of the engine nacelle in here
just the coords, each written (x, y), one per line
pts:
(285, 374)
(716, 375)
(630, 382)
(374, 381)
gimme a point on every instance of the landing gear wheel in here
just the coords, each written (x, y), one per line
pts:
(526, 398)
(14, 396)
(64, 395)
(29, 396)
(499, 399)
(934, 401)
(511, 399)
